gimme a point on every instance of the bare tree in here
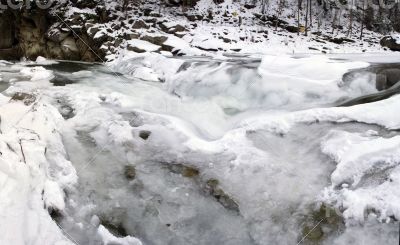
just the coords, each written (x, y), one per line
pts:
(362, 20)
(298, 16)
(306, 24)
(350, 29)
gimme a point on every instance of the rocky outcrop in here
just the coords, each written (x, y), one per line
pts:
(36, 32)
(391, 43)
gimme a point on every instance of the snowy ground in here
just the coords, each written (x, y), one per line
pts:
(196, 150)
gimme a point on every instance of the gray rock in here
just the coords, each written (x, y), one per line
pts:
(157, 40)
(390, 43)
(130, 172)
(212, 188)
(28, 99)
(57, 35)
(69, 48)
(140, 24)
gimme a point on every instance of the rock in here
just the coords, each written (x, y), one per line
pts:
(249, 6)
(390, 43)
(313, 233)
(130, 172)
(13, 53)
(172, 28)
(57, 35)
(67, 112)
(212, 188)
(340, 40)
(157, 40)
(140, 24)
(144, 134)
(292, 29)
(180, 34)
(70, 49)
(140, 46)
(194, 17)
(28, 99)
(225, 39)
(132, 36)
(184, 170)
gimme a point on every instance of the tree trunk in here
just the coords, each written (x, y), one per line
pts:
(298, 17)
(306, 24)
(362, 21)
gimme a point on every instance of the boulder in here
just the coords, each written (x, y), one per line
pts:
(157, 40)
(172, 28)
(57, 35)
(140, 24)
(70, 49)
(130, 172)
(292, 29)
(140, 46)
(391, 43)
(28, 99)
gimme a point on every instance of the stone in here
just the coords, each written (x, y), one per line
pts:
(67, 112)
(212, 188)
(70, 49)
(140, 24)
(390, 43)
(28, 99)
(130, 172)
(184, 170)
(292, 29)
(57, 35)
(157, 40)
(144, 134)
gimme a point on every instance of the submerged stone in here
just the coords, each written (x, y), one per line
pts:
(184, 170)
(130, 172)
(321, 223)
(28, 99)
(212, 188)
(144, 134)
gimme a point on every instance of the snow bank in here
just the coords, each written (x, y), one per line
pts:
(366, 179)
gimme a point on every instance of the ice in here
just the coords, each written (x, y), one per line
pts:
(197, 150)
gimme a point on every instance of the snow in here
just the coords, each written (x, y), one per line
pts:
(143, 45)
(108, 238)
(397, 38)
(250, 123)
(358, 156)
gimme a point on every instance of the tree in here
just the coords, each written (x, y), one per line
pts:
(362, 20)
(306, 25)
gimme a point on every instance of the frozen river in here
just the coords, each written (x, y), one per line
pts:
(197, 150)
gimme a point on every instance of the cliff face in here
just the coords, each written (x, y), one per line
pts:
(29, 33)
(88, 30)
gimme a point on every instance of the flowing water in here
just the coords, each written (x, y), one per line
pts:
(175, 159)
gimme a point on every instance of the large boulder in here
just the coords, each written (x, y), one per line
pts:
(155, 39)
(140, 46)
(70, 49)
(391, 43)
(57, 35)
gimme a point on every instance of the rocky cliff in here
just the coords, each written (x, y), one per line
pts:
(89, 30)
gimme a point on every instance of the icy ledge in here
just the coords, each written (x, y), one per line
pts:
(35, 172)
